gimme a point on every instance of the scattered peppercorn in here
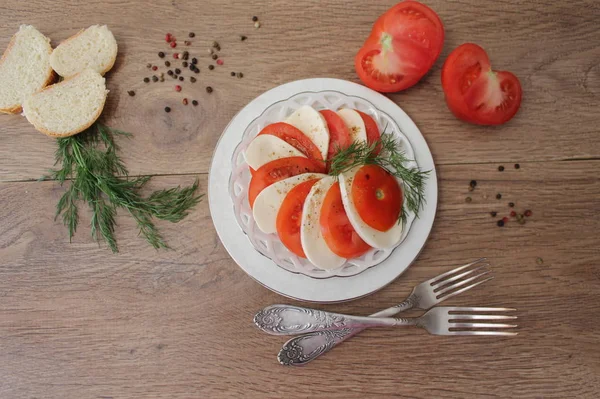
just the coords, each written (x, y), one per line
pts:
(240, 75)
(181, 78)
(169, 72)
(146, 80)
(520, 216)
(184, 64)
(211, 67)
(173, 44)
(522, 221)
(528, 213)
(155, 78)
(254, 18)
(214, 56)
(191, 34)
(232, 73)
(209, 89)
(167, 64)
(539, 261)
(517, 166)
(219, 61)
(493, 214)
(196, 70)
(242, 37)
(186, 55)
(188, 43)
(501, 168)
(473, 183)
(215, 44)
(131, 93)
(184, 101)
(193, 79)
(210, 51)
(468, 200)
(471, 188)
(498, 196)
(176, 56)
(177, 88)
(192, 67)
(168, 37)
(174, 76)
(167, 109)
(194, 103)
(177, 71)
(194, 60)
(162, 78)
(148, 65)
(257, 25)
(511, 204)
(161, 54)
(500, 223)
(513, 214)
(505, 219)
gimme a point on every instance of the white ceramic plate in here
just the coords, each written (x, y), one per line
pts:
(291, 283)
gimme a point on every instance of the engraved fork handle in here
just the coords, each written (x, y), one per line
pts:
(301, 350)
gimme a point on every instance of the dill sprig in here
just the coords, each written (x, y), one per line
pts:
(392, 159)
(99, 178)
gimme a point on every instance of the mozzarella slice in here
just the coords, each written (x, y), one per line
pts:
(355, 123)
(375, 238)
(314, 245)
(266, 148)
(312, 124)
(268, 202)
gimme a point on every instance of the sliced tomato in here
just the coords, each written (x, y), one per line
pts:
(280, 169)
(377, 197)
(372, 129)
(337, 231)
(474, 92)
(289, 217)
(294, 137)
(404, 44)
(339, 134)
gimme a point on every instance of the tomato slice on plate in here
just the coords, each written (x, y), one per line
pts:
(404, 44)
(377, 197)
(474, 92)
(339, 134)
(280, 169)
(289, 217)
(372, 129)
(294, 137)
(337, 231)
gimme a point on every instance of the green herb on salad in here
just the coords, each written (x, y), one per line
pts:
(98, 177)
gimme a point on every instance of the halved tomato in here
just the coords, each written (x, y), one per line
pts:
(404, 44)
(280, 169)
(295, 138)
(474, 92)
(377, 197)
(289, 217)
(337, 231)
(339, 134)
(372, 129)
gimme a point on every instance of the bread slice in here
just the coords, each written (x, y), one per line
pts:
(24, 68)
(68, 107)
(94, 48)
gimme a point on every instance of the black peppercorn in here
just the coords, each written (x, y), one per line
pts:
(169, 72)
(473, 183)
(232, 73)
(155, 78)
(517, 166)
(240, 75)
(254, 18)
(161, 54)
(194, 60)
(167, 64)
(146, 80)
(511, 204)
(131, 93)
(181, 78)
(194, 103)
(193, 79)
(214, 56)
(500, 223)
(498, 196)
(493, 214)
(191, 34)
(209, 89)
(186, 55)
(242, 37)
(196, 70)
(167, 109)
(501, 168)
(211, 67)
(177, 71)
(184, 64)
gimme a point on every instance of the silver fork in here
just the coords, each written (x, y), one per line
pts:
(301, 350)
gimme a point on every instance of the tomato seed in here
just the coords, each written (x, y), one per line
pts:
(240, 75)
(471, 188)
(194, 61)
(539, 261)
(215, 44)
(257, 25)
(187, 43)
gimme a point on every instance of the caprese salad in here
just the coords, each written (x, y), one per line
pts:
(330, 185)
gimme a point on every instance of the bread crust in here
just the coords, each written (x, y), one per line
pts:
(18, 108)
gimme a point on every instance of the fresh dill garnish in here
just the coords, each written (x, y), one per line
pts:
(392, 159)
(99, 178)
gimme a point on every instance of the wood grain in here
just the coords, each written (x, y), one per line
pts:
(79, 322)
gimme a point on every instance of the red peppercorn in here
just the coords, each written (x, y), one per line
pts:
(219, 62)
(177, 88)
(513, 214)
(168, 37)
(154, 68)
(505, 219)
(173, 44)
(528, 213)
(176, 56)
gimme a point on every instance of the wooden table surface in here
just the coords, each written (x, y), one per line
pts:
(79, 322)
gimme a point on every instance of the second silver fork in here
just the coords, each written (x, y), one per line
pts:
(305, 348)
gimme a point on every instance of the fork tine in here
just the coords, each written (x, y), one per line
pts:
(450, 295)
(480, 317)
(501, 333)
(477, 309)
(481, 325)
(459, 276)
(441, 276)
(461, 283)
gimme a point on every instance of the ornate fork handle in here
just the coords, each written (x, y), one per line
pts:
(303, 349)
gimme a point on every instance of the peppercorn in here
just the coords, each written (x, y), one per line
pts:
(220, 61)
(167, 109)
(155, 78)
(520, 216)
(177, 88)
(193, 79)
(471, 188)
(146, 80)
(211, 67)
(517, 166)
(173, 44)
(468, 200)
(162, 77)
(210, 51)
(257, 25)
(215, 44)
(169, 72)
(473, 183)
(493, 214)
(539, 261)
(161, 54)
(513, 214)
(174, 76)
(522, 221)
(500, 223)
(184, 64)
(131, 93)
(176, 56)
(528, 213)
(167, 64)
(192, 67)
(194, 103)
(177, 71)
(240, 75)
(511, 204)
(505, 219)
(194, 60)
(191, 34)
(214, 56)
(148, 65)
(196, 70)
(501, 168)
(242, 37)
(232, 73)
(154, 68)
(185, 101)
(188, 43)
(254, 18)
(181, 78)
(498, 196)
(209, 89)
(168, 37)
(186, 55)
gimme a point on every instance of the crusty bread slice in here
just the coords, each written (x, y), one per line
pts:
(24, 68)
(68, 107)
(94, 48)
